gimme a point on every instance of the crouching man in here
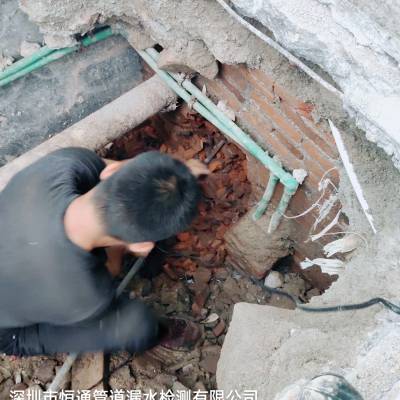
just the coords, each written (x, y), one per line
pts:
(57, 218)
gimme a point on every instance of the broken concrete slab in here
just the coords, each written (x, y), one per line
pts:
(304, 345)
(15, 27)
(252, 249)
(360, 345)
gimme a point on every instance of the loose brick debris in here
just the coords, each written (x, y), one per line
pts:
(195, 281)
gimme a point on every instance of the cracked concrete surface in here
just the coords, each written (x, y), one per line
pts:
(357, 43)
(354, 41)
(287, 346)
(49, 100)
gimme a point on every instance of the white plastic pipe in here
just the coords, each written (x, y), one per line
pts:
(103, 126)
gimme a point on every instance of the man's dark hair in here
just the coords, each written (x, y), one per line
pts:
(150, 198)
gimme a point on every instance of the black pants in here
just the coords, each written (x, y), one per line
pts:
(127, 325)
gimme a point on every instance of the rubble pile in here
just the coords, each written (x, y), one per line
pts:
(187, 276)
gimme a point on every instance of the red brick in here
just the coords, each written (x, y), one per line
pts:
(294, 150)
(305, 110)
(316, 153)
(275, 89)
(278, 119)
(261, 89)
(323, 133)
(264, 80)
(306, 130)
(236, 75)
(221, 92)
(283, 124)
(232, 89)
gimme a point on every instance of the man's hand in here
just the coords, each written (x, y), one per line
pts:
(115, 255)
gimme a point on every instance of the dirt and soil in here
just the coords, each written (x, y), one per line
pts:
(186, 276)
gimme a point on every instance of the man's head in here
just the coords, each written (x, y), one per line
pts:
(146, 199)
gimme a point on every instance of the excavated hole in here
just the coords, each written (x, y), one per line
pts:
(187, 275)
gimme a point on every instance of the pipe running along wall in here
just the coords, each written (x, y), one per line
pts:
(47, 55)
(103, 126)
(204, 106)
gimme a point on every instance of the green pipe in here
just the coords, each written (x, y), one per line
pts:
(45, 56)
(290, 185)
(187, 97)
(264, 202)
(55, 55)
(282, 207)
(24, 62)
(244, 140)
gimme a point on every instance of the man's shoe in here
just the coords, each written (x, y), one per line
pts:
(179, 334)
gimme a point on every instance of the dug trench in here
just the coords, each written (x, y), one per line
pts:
(192, 275)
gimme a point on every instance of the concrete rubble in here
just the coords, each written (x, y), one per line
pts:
(252, 249)
(88, 371)
(287, 346)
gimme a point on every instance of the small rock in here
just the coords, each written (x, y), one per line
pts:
(189, 376)
(169, 296)
(3, 119)
(5, 61)
(170, 272)
(179, 387)
(274, 280)
(231, 287)
(4, 374)
(169, 61)
(211, 320)
(166, 380)
(87, 371)
(219, 329)
(196, 310)
(122, 379)
(299, 175)
(187, 369)
(20, 386)
(141, 288)
(210, 357)
(28, 48)
(146, 365)
(313, 292)
(201, 298)
(202, 275)
(45, 371)
(295, 285)
(5, 388)
(200, 386)
(221, 273)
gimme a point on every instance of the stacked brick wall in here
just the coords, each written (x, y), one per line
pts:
(289, 128)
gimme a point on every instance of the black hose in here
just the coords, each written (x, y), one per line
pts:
(343, 307)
